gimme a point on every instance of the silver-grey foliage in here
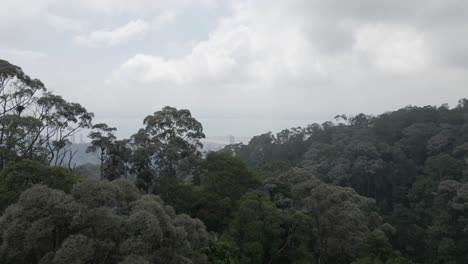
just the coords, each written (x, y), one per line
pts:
(99, 222)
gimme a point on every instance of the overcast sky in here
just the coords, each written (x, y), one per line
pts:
(241, 67)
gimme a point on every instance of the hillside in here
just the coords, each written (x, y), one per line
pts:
(413, 163)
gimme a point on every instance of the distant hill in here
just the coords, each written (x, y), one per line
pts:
(81, 157)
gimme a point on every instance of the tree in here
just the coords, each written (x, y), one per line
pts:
(34, 123)
(214, 210)
(17, 92)
(265, 234)
(99, 222)
(162, 149)
(222, 251)
(117, 165)
(448, 216)
(226, 176)
(342, 218)
(59, 121)
(19, 176)
(378, 249)
(102, 139)
(286, 146)
(224, 179)
(256, 229)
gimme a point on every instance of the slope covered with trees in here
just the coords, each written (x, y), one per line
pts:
(413, 164)
(390, 189)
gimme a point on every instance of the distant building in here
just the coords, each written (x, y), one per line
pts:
(232, 139)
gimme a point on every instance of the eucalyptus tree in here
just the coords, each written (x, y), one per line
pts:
(118, 163)
(166, 147)
(59, 121)
(17, 92)
(35, 123)
(17, 89)
(102, 139)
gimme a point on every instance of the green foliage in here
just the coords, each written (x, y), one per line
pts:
(343, 218)
(166, 147)
(99, 222)
(222, 251)
(118, 163)
(256, 229)
(285, 147)
(19, 176)
(214, 210)
(386, 189)
(114, 155)
(379, 250)
(378, 246)
(102, 139)
(268, 170)
(226, 176)
(224, 179)
(265, 234)
(398, 159)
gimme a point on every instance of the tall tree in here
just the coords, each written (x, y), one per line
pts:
(17, 92)
(102, 138)
(34, 123)
(117, 164)
(169, 141)
(59, 121)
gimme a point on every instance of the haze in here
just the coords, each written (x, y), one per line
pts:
(241, 67)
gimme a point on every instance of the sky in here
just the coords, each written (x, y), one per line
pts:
(242, 67)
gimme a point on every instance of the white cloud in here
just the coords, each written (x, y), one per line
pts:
(265, 45)
(107, 38)
(294, 58)
(250, 47)
(393, 48)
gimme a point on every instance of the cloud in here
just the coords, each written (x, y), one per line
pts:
(141, 7)
(242, 58)
(62, 23)
(108, 38)
(163, 19)
(300, 58)
(248, 47)
(15, 54)
(261, 45)
(393, 48)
